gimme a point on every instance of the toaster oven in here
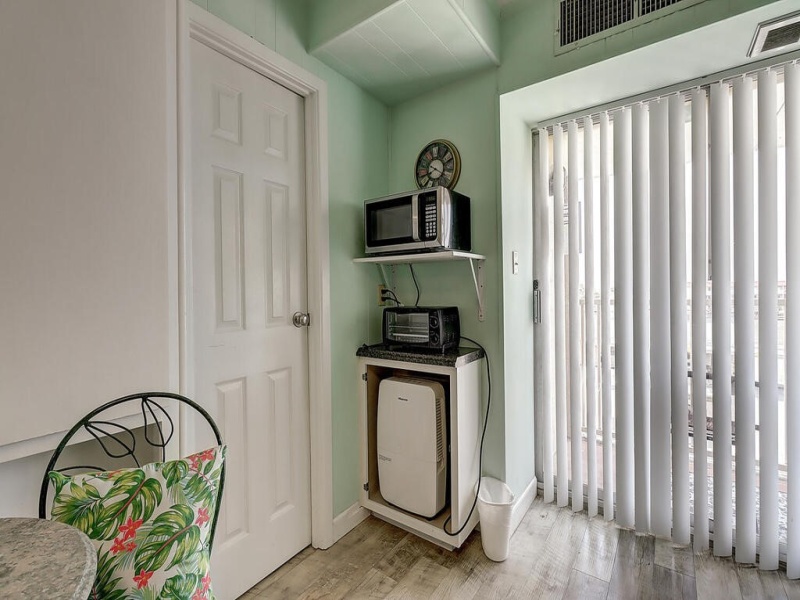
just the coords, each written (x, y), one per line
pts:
(422, 327)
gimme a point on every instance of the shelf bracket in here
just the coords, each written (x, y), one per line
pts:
(382, 270)
(389, 278)
(476, 266)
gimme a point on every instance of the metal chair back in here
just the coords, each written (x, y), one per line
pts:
(119, 442)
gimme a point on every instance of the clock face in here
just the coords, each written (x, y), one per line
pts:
(438, 164)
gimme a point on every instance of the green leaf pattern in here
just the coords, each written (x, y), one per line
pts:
(173, 530)
(150, 526)
(133, 495)
(105, 582)
(81, 504)
(180, 586)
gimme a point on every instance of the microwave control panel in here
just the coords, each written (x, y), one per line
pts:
(428, 202)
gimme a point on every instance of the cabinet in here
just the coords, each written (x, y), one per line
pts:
(89, 233)
(460, 372)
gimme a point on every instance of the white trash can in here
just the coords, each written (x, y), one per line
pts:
(495, 502)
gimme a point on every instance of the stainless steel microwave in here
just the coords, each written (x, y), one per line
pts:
(419, 221)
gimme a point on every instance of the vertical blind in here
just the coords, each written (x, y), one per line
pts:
(792, 99)
(668, 258)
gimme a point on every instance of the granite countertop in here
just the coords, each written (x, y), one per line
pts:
(455, 357)
(45, 559)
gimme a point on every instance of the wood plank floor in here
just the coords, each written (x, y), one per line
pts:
(554, 553)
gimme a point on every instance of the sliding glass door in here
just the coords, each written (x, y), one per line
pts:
(667, 267)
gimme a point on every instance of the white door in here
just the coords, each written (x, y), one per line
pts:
(248, 256)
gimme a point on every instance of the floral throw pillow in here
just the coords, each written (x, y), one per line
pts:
(151, 526)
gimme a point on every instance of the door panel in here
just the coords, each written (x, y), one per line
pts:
(231, 419)
(228, 209)
(276, 223)
(248, 278)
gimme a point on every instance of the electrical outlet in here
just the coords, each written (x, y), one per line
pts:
(381, 289)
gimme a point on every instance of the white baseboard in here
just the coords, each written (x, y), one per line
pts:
(522, 504)
(347, 520)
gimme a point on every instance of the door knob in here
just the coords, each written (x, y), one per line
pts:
(300, 319)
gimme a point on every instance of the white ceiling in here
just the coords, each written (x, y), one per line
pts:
(413, 46)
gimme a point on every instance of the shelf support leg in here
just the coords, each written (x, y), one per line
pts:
(383, 274)
(477, 279)
(389, 281)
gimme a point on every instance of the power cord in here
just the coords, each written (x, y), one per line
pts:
(416, 285)
(480, 452)
(386, 293)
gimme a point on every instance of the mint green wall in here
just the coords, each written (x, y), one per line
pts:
(358, 164)
(368, 141)
(358, 133)
(466, 114)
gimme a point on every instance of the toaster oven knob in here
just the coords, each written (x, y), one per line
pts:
(435, 339)
(434, 323)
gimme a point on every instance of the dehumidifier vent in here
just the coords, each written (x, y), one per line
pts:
(440, 433)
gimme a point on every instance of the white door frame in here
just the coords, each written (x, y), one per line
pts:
(195, 23)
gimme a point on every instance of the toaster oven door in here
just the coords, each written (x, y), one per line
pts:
(407, 328)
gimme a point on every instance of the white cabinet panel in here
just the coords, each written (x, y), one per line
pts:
(89, 293)
(462, 384)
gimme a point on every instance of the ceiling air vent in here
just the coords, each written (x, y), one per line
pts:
(776, 34)
(580, 19)
(648, 6)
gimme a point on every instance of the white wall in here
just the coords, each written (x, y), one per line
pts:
(517, 218)
(88, 275)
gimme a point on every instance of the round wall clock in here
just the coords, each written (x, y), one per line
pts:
(439, 163)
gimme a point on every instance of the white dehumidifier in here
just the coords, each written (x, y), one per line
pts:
(412, 444)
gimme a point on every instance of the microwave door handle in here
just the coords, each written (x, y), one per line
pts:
(415, 217)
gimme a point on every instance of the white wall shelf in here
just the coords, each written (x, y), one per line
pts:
(475, 264)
